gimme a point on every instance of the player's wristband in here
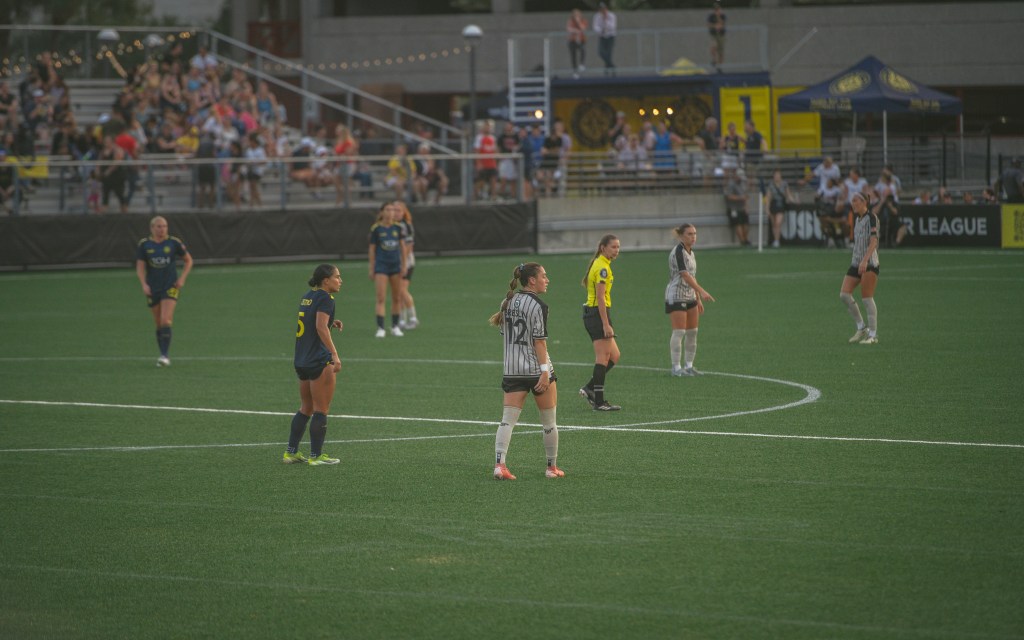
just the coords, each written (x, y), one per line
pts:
(545, 368)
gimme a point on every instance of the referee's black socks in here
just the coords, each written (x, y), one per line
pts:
(597, 383)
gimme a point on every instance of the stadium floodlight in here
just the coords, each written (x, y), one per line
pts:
(472, 35)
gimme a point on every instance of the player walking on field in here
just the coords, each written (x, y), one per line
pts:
(156, 268)
(684, 300)
(597, 321)
(317, 364)
(863, 271)
(523, 320)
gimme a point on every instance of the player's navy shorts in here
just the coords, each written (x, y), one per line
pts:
(592, 322)
(408, 273)
(387, 268)
(156, 296)
(853, 273)
(311, 373)
(680, 306)
(512, 385)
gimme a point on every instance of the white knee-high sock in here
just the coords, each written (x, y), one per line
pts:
(547, 422)
(869, 306)
(690, 346)
(852, 308)
(509, 418)
(675, 346)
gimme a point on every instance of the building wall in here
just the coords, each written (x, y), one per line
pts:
(976, 44)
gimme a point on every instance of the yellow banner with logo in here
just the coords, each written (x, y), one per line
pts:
(1013, 226)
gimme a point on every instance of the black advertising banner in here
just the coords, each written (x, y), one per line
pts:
(952, 225)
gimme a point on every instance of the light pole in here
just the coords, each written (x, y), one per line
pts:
(471, 35)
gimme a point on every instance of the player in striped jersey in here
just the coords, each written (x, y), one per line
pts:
(523, 320)
(156, 267)
(684, 300)
(316, 364)
(407, 316)
(863, 271)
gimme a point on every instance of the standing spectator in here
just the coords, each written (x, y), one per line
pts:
(576, 29)
(401, 169)
(8, 106)
(619, 131)
(753, 150)
(523, 320)
(606, 26)
(852, 185)
(709, 140)
(207, 172)
(894, 230)
(863, 271)
(552, 154)
(730, 145)
(1011, 183)
(157, 271)
(716, 27)
(736, 206)
(233, 174)
(508, 169)
(665, 143)
(778, 198)
(487, 167)
(203, 60)
(529, 162)
(316, 364)
(267, 106)
(253, 173)
(113, 175)
(684, 302)
(129, 143)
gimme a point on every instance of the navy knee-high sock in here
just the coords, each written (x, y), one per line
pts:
(299, 421)
(317, 433)
(598, 382)
(163, 340)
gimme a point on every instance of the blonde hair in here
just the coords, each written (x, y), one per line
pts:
(520, 277)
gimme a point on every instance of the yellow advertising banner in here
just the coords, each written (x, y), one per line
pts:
(1013, 226)
(796, 130)
(739, 104)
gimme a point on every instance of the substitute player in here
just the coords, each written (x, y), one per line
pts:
(863, 271)
(523, 320)
(684, 300)
(317, 364)
(156, 267)
(597, 321)
(387, 264)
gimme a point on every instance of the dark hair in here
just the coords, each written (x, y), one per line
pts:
(321, 273)
(605, 241)
(520, 276)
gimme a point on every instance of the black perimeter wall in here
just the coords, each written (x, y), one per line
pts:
(39, 242)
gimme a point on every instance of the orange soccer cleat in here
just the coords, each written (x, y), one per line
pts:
(554, 472)
(501, 472)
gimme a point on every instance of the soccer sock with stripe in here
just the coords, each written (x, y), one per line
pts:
(853, 309)
(163, 340)
(509, 418)
(299, 421)
(869, 306)
(675, 347)
(317, 433)
(597, 382)
(547, 422)
(690, 347)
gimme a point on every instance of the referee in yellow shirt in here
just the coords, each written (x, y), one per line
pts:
(598, 322)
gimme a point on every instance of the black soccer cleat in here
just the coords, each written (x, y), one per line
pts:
(606, 406)
(588, 394)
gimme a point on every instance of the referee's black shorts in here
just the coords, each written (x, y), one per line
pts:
(592, 322)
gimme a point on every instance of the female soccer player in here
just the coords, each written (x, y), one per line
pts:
(684, 300)
(387, 264)
(156, 268)
(407, 316)
(863, 271)
(317, 364)
(598, 322)
(523, 320)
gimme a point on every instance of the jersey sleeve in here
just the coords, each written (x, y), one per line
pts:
(874, 225)
(539, 322)
(680, 259)
(140, 251)
(179, 247)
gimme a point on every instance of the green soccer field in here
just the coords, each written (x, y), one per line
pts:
(803, 488)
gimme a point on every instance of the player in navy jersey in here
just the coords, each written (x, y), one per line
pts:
(387, 264)
(156, 267)
(317, 364)
(684, 300)
(523, 320)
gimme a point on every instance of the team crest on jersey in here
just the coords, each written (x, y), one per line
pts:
(604, 273)
(167, 249)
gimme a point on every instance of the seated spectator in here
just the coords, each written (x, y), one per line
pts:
(203, 60)
(968, 198)
(267, 107)
(324, 172)
(429, 176)
(924, 198)
(164, 141)
(401, 169)
(188, 143)
(301, 170)
(988, 196)
(253, 171)
(632, 157)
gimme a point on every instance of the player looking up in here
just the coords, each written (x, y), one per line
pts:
(156, 267)
(316, 364)
(523, 320)
(684, 300)
(598, 322)
(863, 271)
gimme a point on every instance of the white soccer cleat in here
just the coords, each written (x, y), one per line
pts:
(163, 361)
(677, 372)
(860, 335)
(380, 333)
(397, 332)
(412, 323)
(869, 340)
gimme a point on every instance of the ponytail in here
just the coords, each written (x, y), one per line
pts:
(520, 277)
(321, 273)
(605, 241)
